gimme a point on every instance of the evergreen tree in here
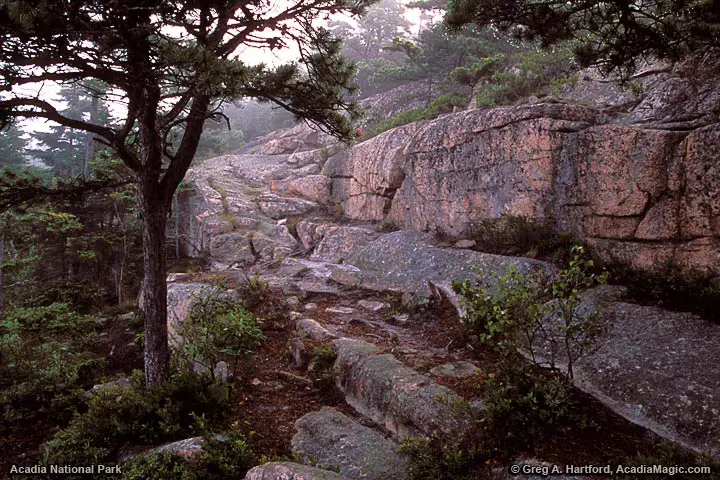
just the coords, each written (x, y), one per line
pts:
(68, 151)
(611, 34)
(170, 77)
(12, 147)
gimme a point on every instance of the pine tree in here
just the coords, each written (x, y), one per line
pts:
(170, 77)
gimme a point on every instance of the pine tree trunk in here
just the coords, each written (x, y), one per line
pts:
(90, 139)
(154, 289)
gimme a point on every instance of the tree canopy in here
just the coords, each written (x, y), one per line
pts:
(171, 64)
(610, 34)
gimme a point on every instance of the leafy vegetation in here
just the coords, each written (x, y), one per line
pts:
(224, 456)
(614, 34)
(541, 316)
(521, 236)
(116, 416)
(217, 328)
(45, 364)
(673, 288)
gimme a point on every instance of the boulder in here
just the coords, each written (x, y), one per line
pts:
(395, 396)
(290, 471)
(338, 241)
(333, 440)
(312, 329)
(313, 187)
(232, 249)
(661, 370)
(460, 369)
(406, 261)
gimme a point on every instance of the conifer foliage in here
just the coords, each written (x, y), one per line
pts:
(170, 64)
(611, 34)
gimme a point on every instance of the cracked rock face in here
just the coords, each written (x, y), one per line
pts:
(635, 177)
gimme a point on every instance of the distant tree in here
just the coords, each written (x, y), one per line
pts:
(611, 34)
(378, 26)
(12, 146)
(172, 63)
(69, 151)
(438, 51)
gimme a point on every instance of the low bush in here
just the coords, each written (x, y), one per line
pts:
(46, 362)
(218, 328)
(535, 313)
(672, 288)
(433, 459)
(224, 457)
(537, 73)
(187, 405)
(540, 316)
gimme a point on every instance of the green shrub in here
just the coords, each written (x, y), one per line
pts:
(522, 405)
(257, 297)
(224, 457)
(323, 360)
(538, 73)
(218, 328)
(670, 455)
(673, 288)
(185, 406)
(430, 459)
(160, 466)
(533, 312)
(45, 363)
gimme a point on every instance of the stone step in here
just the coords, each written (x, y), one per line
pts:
(383, 389)
(330, 439)
(290, 471)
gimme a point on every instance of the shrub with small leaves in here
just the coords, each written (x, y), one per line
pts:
(218, 328)
(185, 406)
(535, 313)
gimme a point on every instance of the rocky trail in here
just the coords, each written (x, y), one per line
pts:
(404, 367)
(635, 181)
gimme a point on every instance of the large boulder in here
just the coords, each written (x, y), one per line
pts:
(407, 261)
(333, 440)
(395, 396)
(660, 370)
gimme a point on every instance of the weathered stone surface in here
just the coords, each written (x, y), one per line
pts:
(290, 471)
(189, 449)
(313, 187)
(333, 440)
(365, 178)
(311, 231)
(657, 368)
(338, 241)
(373, 305)
(180, 298)
(461, 369)
(406, 261)
(534, 469)
(634, 185)
(500, 159)
(232, 249)
(312, 329)
(340, 310)
(120, 382)
(278, 206)
(383, 389)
